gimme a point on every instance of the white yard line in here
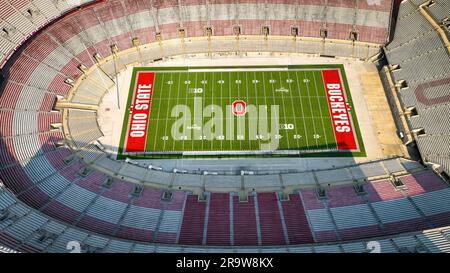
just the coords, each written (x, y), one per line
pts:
(178, 95)
(203, 107)
(320, 109)
(284, 107)
(245, 133)
(185, 103)
(158, 115)
(257, 106)
(226, 114)
(235, 120)
(303, 113)
(310, 105)
(212, 102)
(195, 95)
(167, 112)
(293, 109)
(265, 95)
(215, 127)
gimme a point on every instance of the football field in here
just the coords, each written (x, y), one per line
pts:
(240, 111)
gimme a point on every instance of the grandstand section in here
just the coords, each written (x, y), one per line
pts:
(79, 81)
(423, 93)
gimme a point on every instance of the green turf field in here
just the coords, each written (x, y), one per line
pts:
(191, 114)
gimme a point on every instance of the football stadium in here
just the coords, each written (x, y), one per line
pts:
(224, 126)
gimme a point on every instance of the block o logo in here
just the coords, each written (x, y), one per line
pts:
(239, 108)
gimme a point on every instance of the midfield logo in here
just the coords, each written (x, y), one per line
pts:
(239, 108)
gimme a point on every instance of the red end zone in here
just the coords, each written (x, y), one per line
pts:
(339, 111)
(140, 112)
